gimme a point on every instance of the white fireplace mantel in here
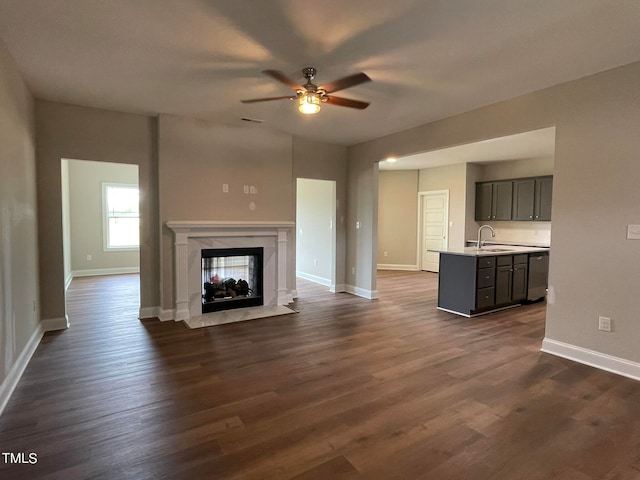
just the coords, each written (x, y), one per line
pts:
(190, 236)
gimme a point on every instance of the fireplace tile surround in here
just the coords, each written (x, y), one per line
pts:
(191, 237)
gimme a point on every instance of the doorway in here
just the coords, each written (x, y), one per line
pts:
(433, 235)
(101, 220)
(315, 231)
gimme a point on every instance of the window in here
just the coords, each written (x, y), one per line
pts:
(121, 216)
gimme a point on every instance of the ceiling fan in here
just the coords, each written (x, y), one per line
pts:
(310, 96)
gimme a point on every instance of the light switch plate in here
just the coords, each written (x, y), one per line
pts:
(633, 232)
(604, 324)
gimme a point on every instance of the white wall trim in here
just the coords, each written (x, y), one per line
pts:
(67, 281)
(104, 271)
(361, 292)
(149, 312)
(393, 266)
(157, 312)
(609, 363)
(314, 278)
(338, 288)
(17, 369)
(53, 324)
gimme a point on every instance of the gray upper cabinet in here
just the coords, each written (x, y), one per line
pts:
(523, 199)
(544, 192)
(484, 192)
(494, 200)
(502, 201)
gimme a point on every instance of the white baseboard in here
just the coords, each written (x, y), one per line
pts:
(156, 312)
(314, 278)
(617, 365)
(150, 312)
(105, 271)
(53, 324)
(17, 369)
(338, 288)
(361, 292)
(392, 266)
(294, 294)
(167, 315)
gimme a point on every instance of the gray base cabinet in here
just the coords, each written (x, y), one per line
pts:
(470, 285)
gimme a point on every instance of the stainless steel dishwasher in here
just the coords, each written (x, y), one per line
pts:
(538, 276)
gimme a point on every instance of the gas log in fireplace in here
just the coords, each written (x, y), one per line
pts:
(231, 278)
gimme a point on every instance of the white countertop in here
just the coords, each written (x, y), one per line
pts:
(513, 243)
(488, 250)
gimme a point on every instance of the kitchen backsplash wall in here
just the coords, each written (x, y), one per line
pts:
(530, 232)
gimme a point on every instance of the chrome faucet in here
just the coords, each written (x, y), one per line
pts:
(493, 234)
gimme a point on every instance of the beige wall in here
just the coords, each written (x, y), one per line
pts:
(397, 219)
(86, 217)
(595, 196)
(68, 131)
(18, 228)
(531, 167)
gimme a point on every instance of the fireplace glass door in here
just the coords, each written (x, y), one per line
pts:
(231, 278)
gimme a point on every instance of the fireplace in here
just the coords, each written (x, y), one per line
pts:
(231, 278)
(194, 237)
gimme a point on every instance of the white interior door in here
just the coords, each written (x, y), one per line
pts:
(435, 228)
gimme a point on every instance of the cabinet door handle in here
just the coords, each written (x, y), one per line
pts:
(531, 216)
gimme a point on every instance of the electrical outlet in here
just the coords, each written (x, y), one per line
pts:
(315, 262)
(245, 189)
(225, 188)
(386, 254)
(353, 270)
(89, 257)
(604, 324)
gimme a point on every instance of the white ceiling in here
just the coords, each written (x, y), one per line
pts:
(428, 59)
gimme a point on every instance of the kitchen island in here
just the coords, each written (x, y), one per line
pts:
(476, 281)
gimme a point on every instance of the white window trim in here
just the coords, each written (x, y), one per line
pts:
(105, 218)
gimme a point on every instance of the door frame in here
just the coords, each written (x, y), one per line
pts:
(421, 196)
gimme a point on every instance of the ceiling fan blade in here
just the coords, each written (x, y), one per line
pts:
(346, 82)
(282, 78)
(268, 99)
(347, 102)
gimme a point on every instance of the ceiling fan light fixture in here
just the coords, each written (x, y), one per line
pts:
(309, 103)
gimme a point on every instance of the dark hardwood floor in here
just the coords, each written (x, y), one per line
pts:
(345, 389)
